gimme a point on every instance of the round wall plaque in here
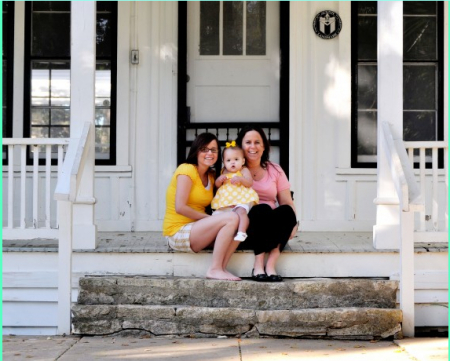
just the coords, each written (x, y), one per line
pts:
(327, 24)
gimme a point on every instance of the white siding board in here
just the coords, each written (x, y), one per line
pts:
(104, 196)
(366, 192)
(430, 315)
(27, 331)
(34, 295)
(35, 279)
(26, 314)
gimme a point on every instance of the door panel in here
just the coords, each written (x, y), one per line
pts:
(233, 88)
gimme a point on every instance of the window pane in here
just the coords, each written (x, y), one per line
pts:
(367, 86)
(4, 99)
(103, 83)
(367, 38)
(5, 28)
(256, 28)
(40, 87)
(60, 85)
(233, 27)
(51, 5)
(367, 136)
(60, 132)
(367, 7)
(105, 6)
(419, 38)
(40, 116)
(60, 116)
(102, 117)
(419, 126)
(419, 87)
(51, 34)
(419, 7)
(104, 34)
(209, 27)
(39, 132)
(102, 143)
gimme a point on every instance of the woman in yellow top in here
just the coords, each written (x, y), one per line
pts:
(187, 226)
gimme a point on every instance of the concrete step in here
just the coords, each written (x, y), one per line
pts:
(292, 294)
(191, 321)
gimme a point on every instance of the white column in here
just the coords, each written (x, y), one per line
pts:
(390, 109)
(82, 109)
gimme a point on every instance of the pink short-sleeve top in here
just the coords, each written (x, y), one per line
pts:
(274, 181)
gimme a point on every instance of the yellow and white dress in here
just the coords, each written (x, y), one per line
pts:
(229, 195)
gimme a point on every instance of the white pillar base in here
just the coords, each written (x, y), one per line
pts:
(84, 236)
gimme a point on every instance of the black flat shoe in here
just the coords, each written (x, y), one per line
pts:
(274, 278)
(259, 278)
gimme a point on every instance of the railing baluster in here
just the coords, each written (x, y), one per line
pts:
(411, 156)
(23, 178)
(422, 188)
(434, 206)
(10, 186)
(35, 185)
(48, 163)
(60, 164)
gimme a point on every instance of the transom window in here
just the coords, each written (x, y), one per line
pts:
(47, 106)
(232, 28)
(422, 76)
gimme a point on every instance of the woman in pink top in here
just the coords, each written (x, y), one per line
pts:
(273, 222)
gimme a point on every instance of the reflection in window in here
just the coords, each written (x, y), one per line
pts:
(422, 57)
(256, 28)
(209, 27)
(233, 27)
(237, 38)
(50, 79)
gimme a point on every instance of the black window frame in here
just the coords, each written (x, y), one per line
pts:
(354, 86)
(27, 81)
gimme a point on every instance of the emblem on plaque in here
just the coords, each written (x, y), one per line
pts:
(327, 24)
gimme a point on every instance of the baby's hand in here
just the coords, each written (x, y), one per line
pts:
(222, 179)
(235, 180)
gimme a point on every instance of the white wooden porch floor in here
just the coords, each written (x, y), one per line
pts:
(154, 242)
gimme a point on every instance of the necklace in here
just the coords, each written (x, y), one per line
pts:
(257, 172)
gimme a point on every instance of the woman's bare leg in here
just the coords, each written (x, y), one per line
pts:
(258, 267)
(221, 228)
(272, 261)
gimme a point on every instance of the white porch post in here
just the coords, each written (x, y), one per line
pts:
(82, 109)
(390, 109)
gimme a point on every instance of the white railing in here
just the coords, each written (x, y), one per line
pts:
(433, 222)
(410, 201)
(66, 193)
(30, 206)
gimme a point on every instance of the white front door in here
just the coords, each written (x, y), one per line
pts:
(233, 61)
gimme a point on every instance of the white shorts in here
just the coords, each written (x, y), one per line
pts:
(180, 240)
(246, 206)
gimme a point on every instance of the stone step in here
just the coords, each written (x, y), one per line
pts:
(338, 323)
(292, 294)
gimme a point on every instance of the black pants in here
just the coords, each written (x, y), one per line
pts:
(269, 228)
